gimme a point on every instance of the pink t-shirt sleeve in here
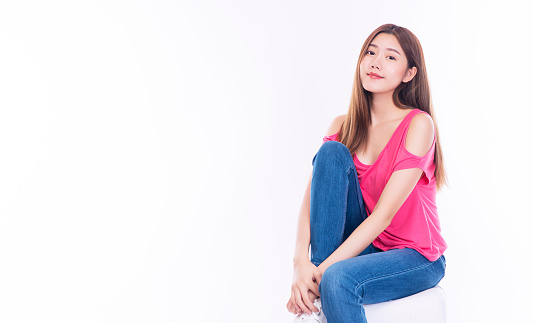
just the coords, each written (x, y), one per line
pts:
(406, 160)
(332, 137)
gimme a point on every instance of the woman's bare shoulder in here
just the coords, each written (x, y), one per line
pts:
(336, 125)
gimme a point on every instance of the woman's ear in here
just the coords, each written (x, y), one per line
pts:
(409, 74)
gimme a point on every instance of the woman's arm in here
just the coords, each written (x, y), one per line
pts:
(303, 236)
(399, 187)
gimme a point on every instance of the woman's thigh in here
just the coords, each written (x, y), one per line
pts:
(382, 276)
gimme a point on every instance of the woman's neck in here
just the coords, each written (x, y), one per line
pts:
(383, 109)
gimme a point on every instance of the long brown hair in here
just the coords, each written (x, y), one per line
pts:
(415, 94)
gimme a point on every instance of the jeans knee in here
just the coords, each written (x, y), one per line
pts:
(332, 149)
(332, 283)
(332, 145)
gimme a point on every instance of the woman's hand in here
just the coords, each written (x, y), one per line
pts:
(306, 278)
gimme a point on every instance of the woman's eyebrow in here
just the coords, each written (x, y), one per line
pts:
(391, 49)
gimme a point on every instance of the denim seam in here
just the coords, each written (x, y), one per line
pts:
(392, 274)
(346, 203)
(347, 196)
(340, 156)
(345, 208)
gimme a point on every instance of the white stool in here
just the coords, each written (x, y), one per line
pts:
(428, 306)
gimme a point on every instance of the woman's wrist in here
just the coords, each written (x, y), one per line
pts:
(322, 267)
(299, 259)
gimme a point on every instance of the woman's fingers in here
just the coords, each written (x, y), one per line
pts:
(290, 307)
(300, 302)
(305, 287)
(303, 300)
(293, 300)
(293, 309)
(314, 288)
(308, 302)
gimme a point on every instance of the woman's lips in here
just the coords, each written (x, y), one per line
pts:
(374, 76)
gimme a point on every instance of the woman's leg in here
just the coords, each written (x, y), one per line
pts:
(336, 207)
(373, 278)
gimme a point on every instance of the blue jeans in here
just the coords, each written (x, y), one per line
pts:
(374, 276)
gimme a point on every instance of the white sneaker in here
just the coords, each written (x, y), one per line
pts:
(313, 317)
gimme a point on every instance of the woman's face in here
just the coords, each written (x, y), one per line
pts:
(385, 58)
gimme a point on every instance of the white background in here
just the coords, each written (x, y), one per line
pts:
(154, 154)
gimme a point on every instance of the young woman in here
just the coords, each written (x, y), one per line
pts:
(369, 210)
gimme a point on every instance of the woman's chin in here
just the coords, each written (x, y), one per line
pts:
(377, 89)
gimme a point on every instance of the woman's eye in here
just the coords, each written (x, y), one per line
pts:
(371, 52)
